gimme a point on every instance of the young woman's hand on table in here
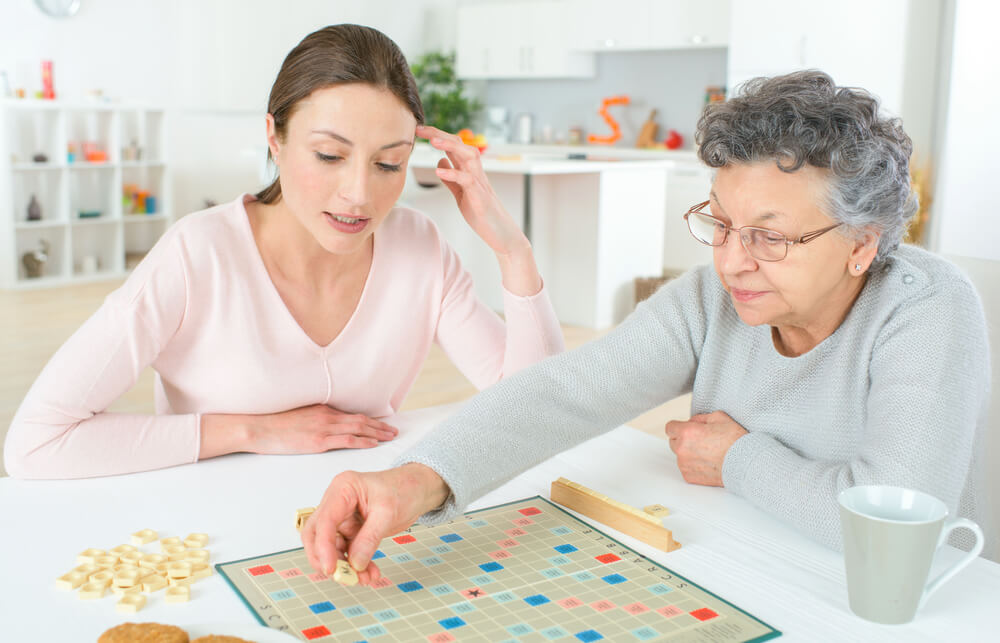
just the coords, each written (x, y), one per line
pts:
(309, 429)
(358, 510)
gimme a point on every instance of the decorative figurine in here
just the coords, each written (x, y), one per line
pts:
(34, 209)
(40, 158)
(34, 261)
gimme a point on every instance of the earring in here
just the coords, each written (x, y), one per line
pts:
(857, 267)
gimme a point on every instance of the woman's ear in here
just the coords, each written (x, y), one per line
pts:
(273, 144)
(863, 254)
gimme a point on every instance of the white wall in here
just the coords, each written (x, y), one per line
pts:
(209, 62)
(964, 221)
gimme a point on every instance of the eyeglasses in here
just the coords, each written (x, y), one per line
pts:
(760, 243)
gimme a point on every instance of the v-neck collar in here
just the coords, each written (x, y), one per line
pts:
(264, 276)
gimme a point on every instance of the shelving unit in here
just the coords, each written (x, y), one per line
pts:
(84, 218)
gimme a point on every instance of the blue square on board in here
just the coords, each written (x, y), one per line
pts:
(450, 538)
(387, 615)
(441, 549)
(378, 554)
(431, 560)
(451, 622)
(441, 590)
(552, 572)
(659, 588)
(409, 586)
(536, 599)
(319, 608)
(589, 635)
(553, 633)
(478, 523)
(613, 579)
(353, 611)
(282, 595)
(561, 530)
(491, 567)
(565, 549)
(520, 629)
(645, 633)
(463, 608)
(560, 560)
(373, 630)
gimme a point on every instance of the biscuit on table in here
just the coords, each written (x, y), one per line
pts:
(144, 633)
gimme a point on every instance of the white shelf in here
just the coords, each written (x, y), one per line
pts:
(64, 189)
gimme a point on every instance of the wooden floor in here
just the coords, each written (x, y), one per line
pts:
(35, 323)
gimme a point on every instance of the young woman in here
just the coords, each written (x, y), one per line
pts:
(289, 321)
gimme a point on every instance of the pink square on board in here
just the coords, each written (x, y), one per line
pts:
(670, 611)
(508, 543)
(516, 531)
(570, 603)
(602, 605)
(290, 573)
(441, 637)
(500, 555)
(636, 608)
(473, 592)
(524, 522)
(317, 577)
(381, 582)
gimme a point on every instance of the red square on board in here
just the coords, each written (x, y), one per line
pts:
(607, 558)
(404, 539)
(530, 511)
(260, 569)
(317, 632)
(704, 614)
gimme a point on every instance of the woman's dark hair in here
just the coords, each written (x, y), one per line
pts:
(805, 118)
(337, 55)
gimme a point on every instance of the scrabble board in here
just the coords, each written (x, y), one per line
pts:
(522, 571)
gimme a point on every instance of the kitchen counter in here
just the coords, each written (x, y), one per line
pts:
(554, 159)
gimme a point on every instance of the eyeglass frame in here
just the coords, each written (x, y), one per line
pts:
(803, 239)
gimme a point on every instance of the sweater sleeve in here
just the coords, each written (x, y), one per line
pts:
(928, 380)
(567, 399)
(478, 342)
(62, 429)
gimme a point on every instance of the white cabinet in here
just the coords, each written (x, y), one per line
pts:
(630, 25)
(522, 39)
(889, 48)
(89, 220)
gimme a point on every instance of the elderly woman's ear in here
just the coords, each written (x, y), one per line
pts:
(865, 250)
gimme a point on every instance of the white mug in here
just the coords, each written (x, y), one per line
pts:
(890, 537)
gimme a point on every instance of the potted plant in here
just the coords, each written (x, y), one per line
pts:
(446, 106)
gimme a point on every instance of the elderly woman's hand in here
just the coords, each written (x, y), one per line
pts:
(701, 445)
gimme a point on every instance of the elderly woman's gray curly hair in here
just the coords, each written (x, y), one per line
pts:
(803, 117)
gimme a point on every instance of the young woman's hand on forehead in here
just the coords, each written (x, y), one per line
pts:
(462, 173)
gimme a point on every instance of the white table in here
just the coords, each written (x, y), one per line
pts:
(246, 503)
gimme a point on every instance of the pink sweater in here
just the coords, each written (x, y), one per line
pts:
(203, 312)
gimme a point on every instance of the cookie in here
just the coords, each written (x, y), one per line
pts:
(144, 633)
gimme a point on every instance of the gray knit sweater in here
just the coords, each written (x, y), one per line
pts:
(896, 395)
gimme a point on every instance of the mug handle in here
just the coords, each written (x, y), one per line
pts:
(946, 575)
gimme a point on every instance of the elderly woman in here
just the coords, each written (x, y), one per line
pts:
(821, 353)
